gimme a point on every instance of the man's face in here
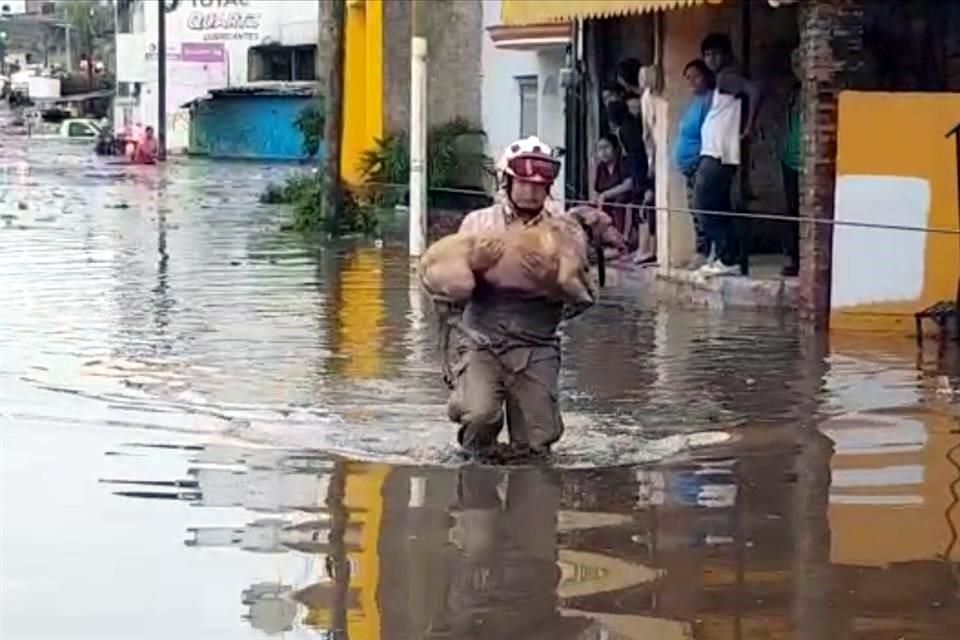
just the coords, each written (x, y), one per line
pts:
(610, 96)
(528, 196)
(716, 59)
(695, 79)
(605, 151)
(634, 106)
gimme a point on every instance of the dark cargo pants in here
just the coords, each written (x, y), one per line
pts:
(711, 192)
(524, 380)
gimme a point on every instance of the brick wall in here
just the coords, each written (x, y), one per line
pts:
(831, 42)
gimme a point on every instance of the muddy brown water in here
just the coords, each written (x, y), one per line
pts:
(210, 428)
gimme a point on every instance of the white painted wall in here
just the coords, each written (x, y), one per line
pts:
(879, 265)
(551, 106)
(13, 7)
(288, 22)
(500, 97)
(231, 25)
(500, 101)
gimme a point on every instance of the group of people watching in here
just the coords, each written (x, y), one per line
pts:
(719, 118)
(624, 170)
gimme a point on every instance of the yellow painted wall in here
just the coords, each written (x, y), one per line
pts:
(902, 135)
(362, 84)
(364, 502)
(873, 535)
(361, 313)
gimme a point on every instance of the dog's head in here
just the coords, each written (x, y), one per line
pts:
(598, 226)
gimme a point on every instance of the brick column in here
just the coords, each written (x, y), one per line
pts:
(831, 45)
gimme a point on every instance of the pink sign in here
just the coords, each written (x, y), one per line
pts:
(201, 52)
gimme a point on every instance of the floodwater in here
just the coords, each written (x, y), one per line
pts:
(210, 428)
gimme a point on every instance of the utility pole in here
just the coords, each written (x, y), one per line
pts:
(67, 38)
(162, 81)
(332, 18)
(418, 128)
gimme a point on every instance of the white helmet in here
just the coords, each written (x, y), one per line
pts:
(529, 160)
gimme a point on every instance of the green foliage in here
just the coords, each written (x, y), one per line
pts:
(386, 171)
(311, 122)
(304, 192)
(445, 158)
(289, 191)
(92, 22)
(386, 167)
(387, 164)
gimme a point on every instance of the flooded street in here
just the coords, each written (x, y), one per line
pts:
(211, 428)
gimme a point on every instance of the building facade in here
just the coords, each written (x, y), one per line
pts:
(896, 62)
(522, 82)
(210, 44)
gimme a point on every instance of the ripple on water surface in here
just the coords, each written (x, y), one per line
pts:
(168, 298)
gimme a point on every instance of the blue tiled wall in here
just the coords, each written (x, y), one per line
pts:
(255, 127)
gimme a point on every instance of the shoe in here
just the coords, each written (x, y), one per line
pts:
(719, 269)
(647, 259)
(697, 261)
(706, 268)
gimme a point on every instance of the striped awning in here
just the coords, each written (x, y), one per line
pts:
(524, 12)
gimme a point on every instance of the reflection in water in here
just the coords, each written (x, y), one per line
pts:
(164, 299)
(725, 547)
(360, 315)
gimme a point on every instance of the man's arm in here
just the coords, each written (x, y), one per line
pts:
(469, 223)
(624, 187)
(731, 82)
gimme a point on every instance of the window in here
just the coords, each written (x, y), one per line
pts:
(528, 105)
(128, 89)
(80, 130)
(283, 64)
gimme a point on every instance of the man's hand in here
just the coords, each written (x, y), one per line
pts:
(537, 267)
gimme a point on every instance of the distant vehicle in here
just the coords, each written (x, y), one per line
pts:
(85, 129)
(80, 128)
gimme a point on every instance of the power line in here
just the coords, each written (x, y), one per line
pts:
(748, 215)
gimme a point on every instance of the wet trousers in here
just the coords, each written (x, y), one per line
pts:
(519, 384)
(711, 192)
(791, 189)
(702, 246)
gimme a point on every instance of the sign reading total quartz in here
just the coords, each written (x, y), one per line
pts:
(219, 20)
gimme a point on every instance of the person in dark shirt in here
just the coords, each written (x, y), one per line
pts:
(628, 74)
(612, 184)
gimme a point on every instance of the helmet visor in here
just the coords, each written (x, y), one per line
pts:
(534, 169)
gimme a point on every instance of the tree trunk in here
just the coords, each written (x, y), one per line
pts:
(332, 19)
(831, 48)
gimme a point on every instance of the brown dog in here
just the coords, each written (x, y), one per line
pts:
(561, 269)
